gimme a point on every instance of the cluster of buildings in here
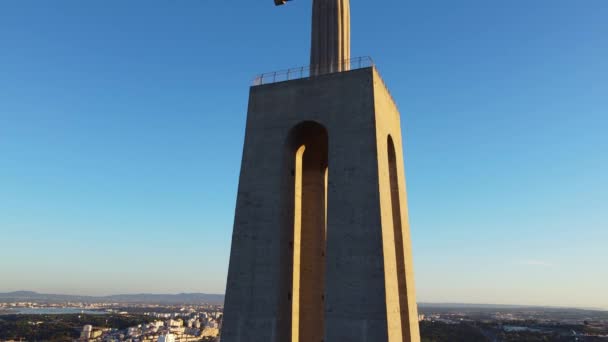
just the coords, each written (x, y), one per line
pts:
(545, 323)
(192, 329)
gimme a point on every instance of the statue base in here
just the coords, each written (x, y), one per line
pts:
(353, 282)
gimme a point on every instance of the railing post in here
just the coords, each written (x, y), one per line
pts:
(312, 70)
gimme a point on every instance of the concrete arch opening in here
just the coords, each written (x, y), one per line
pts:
(284, 271)
(307, 162)
(398, 238)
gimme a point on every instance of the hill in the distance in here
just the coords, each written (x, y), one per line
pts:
(204, 298)
(181, 298)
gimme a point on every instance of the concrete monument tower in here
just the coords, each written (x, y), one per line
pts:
(321, 247)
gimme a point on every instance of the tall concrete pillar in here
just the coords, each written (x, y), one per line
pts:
(321, 246)
(330, 47)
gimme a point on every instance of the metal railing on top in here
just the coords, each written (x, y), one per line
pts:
(313, 70)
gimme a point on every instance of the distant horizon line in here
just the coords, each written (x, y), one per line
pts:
(456, 303)
(109, 295)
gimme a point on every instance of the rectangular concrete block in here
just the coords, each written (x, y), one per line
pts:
(367, 290)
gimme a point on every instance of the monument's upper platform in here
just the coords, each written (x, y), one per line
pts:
(309, 71)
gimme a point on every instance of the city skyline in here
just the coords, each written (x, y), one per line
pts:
(121, 128)
(96, 297)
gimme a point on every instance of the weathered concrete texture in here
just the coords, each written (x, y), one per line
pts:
(309, 143)
(399, 270)
(330, 47)
(367, 252)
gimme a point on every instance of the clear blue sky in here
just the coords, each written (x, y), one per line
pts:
(122, 123)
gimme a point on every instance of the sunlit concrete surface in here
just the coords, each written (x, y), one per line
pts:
(303, 268)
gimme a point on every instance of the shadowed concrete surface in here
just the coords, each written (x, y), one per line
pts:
(316, 257)
(330, 47)
(309, 143)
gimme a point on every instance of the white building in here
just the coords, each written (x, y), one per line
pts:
(166, 338)
(86, 332)
(133, 331)
(175, 323)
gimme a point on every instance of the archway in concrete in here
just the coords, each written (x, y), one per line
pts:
(398, 237)
(307, 162)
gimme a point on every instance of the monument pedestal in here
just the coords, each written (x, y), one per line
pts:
(321, 246)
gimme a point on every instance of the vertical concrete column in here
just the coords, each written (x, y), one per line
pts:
(402, 312)
(312, 258)
(330, 48)
(398, 238)
(309, 234)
